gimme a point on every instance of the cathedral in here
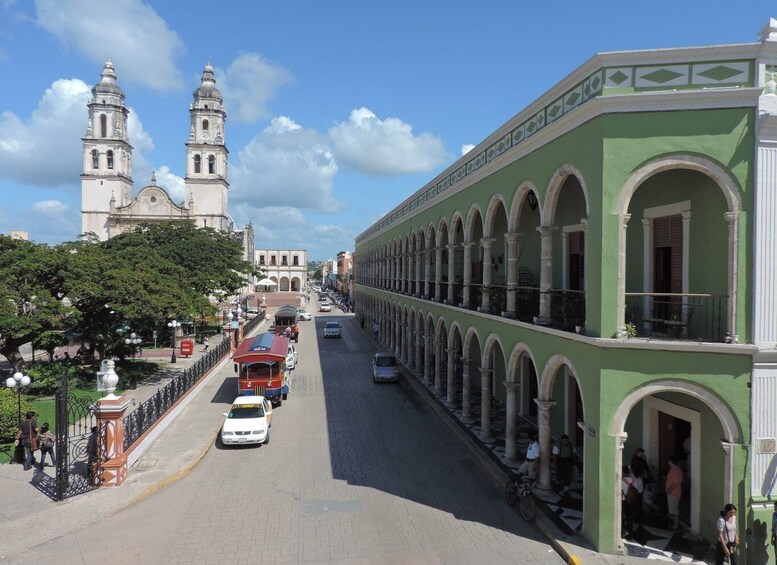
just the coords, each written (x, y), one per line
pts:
(107, 206)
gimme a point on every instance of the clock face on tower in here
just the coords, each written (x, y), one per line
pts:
(205, 135)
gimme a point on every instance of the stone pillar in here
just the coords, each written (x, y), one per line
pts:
(438, 274)
(428, 344)
(437, 368)
(398, 338)
(486, 243)
(451, 272)
(467, 245)
(485, 404)
(544, 487)
(110, 423)
(417, 367)
(466, 386)
(620, 442)
(417, 290)
(427, 273)
(546, 272)
(451, 399)
(511, 449)
(512, 240)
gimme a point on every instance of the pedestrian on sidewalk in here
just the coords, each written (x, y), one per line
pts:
(674, 492)
(529, 467)
(205, 342)
(640, 470)
(629, 498)
(375, 329)
(728, 539)
(564, 453)
(27, 436)
(46, 441)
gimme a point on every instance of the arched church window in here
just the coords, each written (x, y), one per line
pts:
(95, 159)
(110, 159)
(103, 125)
(204, 125)
(212, 165)
(197, 161)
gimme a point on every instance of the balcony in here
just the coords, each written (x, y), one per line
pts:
(700, 317)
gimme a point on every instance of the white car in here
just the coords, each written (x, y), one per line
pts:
(247, 422)
(332, 329)
(325, 308)
(291, 358)
(304, 315)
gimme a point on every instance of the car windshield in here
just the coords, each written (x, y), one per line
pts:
(246, 411)
(331, 325)
(385, 362)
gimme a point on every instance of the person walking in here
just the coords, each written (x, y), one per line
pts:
(46, 442)
(640, 470)
(674, 492)
(564, 454)
(629, 498)
(27, 436)
(728, 539)
(205, 343)
(375, 330)
(529, 467)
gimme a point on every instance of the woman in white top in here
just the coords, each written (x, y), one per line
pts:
(728, 540)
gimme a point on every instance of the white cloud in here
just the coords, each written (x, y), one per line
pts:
(47, 221)
(385, 147)
(50, 208)
(143, 48)
(248, 84)
(285, 165)
(45, 149)
(172, 183)
(467, 148)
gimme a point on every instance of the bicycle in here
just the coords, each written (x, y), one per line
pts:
(520, 489)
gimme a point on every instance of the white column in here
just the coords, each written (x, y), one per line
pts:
(417, 286)
(620, 442)
(511, 449)
(544, 486)
(438, 346)
(546, 271)
(428, 344)
(451, 397)
(451, 272)
(466, 386)
(417, 358)
(765, 310)
(438, 274)
(485, 404)
(427, 273)
(512, 240)
(467, 245)
(486, 243)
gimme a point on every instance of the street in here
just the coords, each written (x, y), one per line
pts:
(355, 472)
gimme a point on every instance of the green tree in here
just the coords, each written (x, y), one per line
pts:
(31, 293)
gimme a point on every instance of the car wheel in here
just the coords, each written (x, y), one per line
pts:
(285, 396)
(267, 439)
(279, 402)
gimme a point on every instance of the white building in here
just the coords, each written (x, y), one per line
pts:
(288, 268)
(107, 206)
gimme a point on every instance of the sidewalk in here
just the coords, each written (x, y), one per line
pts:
(29, 518)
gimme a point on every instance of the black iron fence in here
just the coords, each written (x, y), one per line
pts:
(147, 413)
(677, 316)
(567, 309)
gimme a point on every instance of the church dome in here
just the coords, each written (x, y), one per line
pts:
(107, 84)
(207, 88)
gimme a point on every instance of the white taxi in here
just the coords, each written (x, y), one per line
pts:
(247, 422)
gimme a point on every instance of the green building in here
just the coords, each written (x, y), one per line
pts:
(604, 266)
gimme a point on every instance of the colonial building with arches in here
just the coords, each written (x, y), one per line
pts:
(287, 268)
(603, 266)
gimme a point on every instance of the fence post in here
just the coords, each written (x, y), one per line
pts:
(110, 423)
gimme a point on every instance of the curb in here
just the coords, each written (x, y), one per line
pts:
(496, 473)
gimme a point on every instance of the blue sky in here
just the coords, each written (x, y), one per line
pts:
(336, 111)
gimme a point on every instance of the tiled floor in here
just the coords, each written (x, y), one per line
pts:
(650, 540)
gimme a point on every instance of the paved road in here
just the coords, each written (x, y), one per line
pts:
(354, 473)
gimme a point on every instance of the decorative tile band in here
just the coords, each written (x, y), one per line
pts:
(616, 80)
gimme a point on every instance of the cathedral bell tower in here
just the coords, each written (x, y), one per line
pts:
(206, 186)
(106, 181)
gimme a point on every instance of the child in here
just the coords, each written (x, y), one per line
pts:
(46, 441)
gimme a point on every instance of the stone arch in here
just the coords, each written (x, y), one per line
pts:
(519, 198)
(554, 189)
(518, 351)
(473, 214)
(494, 204)
(549, 376)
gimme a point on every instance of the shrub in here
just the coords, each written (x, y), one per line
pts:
(9, 414)
(46, 377)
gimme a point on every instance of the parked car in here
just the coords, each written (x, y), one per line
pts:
(325, 308)
(322, 297)
(248, 421)
(304, 315)
(332, 329)
(385, 367)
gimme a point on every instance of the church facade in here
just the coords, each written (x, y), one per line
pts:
(107, 206)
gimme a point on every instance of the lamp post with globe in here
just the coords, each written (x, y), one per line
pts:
(18, 381)
(173, 325)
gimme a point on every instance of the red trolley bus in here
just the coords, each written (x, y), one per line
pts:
(260, 364)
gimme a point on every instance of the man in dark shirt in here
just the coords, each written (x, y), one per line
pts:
(27, 431)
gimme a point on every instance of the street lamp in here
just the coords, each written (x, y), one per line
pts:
(173, 325)
(18, 381)
(133, 341)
